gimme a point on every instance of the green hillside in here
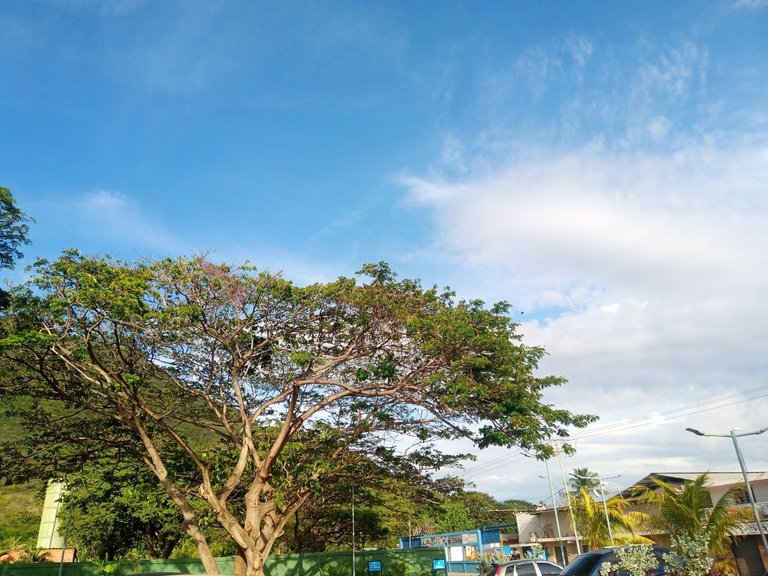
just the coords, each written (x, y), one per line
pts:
(20, 508)
(20, 504)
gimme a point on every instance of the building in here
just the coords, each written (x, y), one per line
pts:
(552, 529)
(541, 525)
(50, 539)
(464, 549)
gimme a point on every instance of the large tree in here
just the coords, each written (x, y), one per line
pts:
(14, 230)
(297, 385)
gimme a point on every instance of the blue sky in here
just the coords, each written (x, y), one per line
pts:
(603, 166)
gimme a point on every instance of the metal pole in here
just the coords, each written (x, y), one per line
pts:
(568, 500)
(602, 495)
(353, 530)
(66, 535)
(743, 467)
(605, 507)
(749, 488)
(557, 516)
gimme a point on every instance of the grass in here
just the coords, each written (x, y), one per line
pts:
(20, 508)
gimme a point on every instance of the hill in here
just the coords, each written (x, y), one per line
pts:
(21, 505)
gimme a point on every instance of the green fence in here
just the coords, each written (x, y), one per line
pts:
(413, 562)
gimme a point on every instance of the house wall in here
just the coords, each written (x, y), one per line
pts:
(759, 489)
(541, 528)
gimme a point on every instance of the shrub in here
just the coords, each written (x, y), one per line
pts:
(635, 559)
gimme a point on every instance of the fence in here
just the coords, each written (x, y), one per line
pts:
(416, 562)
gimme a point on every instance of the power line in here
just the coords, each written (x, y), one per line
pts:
(660, 417)
(682, 410)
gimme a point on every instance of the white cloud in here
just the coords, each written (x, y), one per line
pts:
(673, 72)
(752, 4)
(105, 214)
(643, 275)
(659, 128)
(634, 222)
(580, 49)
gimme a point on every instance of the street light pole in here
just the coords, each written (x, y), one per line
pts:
(353, 530)
(733, 436)
(602, 495)
(563, 553)
(568, 499)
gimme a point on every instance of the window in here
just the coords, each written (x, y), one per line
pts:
(582, 565)
(549, 569)
(740, 495)
(525, 570)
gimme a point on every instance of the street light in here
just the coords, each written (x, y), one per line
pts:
(743, 466)
(567, 497)
(563, 553)
(602, 495)
(353, 530)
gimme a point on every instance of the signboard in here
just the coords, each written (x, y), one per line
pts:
(450, 540)
(438, 564)
(374, 566)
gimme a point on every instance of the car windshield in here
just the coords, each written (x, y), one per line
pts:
(582, 565)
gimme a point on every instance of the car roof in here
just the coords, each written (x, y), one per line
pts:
(525, 561)
(614, 548)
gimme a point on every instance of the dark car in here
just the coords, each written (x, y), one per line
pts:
(588, 564)
(525, 567)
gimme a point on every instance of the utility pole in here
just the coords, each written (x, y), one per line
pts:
(353, 530)
(568, 499)
(733, 436)
(563, 553)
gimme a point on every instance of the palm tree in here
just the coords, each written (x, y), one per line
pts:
(591, 523)
(688, 510)
(583, 478)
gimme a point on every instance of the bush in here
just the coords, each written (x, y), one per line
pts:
(333, 569)
(635, 559)
(488, 559)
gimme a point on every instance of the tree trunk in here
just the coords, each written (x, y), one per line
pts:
(207, 559)
(248, 563)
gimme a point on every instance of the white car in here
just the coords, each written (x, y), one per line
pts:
(525, 567)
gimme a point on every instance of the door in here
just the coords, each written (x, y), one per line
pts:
(747, 556)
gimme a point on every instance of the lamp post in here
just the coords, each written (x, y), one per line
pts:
(353, 530)
(568, 499)
(743, 466)
(563, 553)
(602, 495)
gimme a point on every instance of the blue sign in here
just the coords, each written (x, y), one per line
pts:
(438, 564)
(374, 566)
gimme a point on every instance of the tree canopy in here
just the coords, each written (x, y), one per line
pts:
(264, 390)
(687, 510)
(114, 506)
(593, 526)
(583, 478)
(14, 230)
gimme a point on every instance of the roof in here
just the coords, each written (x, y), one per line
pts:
(713, 479)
